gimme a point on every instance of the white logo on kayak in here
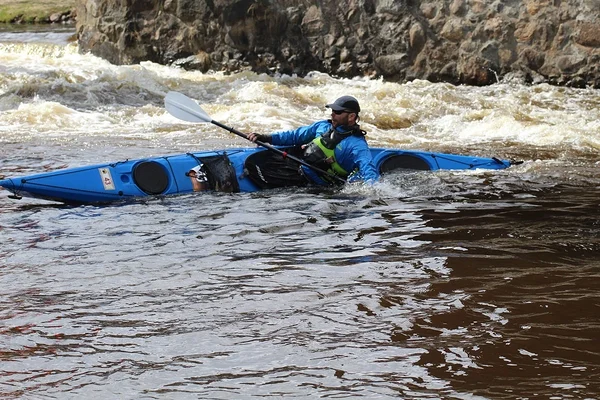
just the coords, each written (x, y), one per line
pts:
(107, 179)
(260, 174)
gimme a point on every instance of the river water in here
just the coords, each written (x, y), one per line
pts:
(453, 285)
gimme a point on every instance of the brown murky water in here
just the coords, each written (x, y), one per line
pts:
(431, 285)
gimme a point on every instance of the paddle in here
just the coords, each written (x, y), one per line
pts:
(182, 107)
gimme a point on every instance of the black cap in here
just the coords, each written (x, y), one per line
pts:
(345, 103)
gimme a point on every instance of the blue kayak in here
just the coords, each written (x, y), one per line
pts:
(226, 170)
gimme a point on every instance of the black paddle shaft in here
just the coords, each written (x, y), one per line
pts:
(276, 150)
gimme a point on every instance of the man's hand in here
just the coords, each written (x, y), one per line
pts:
(253, 137)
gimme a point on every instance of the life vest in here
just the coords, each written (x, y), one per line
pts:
(321, 151)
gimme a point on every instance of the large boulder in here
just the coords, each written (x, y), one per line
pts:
(474, 42)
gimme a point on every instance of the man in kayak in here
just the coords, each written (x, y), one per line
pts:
(337, 146)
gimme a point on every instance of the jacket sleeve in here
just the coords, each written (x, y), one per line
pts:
(299, 136)
(356, 155)
(363, 159)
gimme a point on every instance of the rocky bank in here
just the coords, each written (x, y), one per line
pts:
(474, 42)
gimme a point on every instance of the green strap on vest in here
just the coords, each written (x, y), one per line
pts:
(334, 168)
(322, 148)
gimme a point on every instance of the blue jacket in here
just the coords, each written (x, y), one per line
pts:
(352, 153)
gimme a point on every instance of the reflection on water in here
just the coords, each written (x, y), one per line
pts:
(476, 284)
(328, 294)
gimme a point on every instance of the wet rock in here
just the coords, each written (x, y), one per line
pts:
(588, 34)
(200, 61)
(392, 65)
(463, 41)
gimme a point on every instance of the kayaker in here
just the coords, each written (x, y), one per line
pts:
(337, 145)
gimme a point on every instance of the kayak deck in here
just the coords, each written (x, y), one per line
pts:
(168, 175)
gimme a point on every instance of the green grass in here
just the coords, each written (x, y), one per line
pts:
(31, 11)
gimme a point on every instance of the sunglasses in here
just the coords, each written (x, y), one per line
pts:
(339, 112)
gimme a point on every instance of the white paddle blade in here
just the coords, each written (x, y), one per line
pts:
(182, 107)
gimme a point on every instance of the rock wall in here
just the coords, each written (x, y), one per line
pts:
(473, 42)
